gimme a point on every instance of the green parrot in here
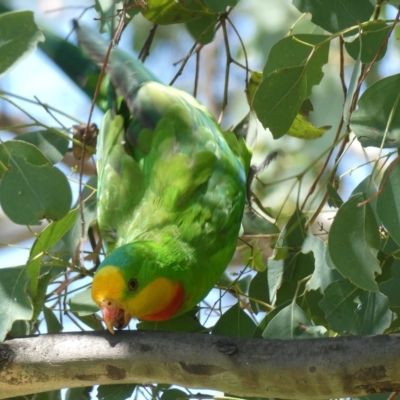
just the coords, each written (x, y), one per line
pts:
(171, 195)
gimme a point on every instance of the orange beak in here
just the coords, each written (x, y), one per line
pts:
(113, 315)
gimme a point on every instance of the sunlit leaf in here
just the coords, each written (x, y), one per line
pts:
(303, 129)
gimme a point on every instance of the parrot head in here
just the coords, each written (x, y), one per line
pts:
(133, 282)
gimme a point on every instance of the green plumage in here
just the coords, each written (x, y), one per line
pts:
(171, 191)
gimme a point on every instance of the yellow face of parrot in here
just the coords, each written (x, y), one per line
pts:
(120, 297)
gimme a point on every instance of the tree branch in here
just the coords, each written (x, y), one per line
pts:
(312, 369)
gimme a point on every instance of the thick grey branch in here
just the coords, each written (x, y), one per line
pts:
(312, 369)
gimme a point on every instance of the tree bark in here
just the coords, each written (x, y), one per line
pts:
(291, 369)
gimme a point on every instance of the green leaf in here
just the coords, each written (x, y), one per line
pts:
(310, 51)
(220, 6)
(15, 304)
(303, 129)
(388, 203)
(293, 67)
(390, 288)
(372, 36)
(19, 36)
(89, 204)
(374, 316)
(235, 322)
(350, 310)
(187, 322)
(378, 111)
(334, 199)
(254, 258)
(339, 304)
(278, 99)
(165, 12)
(20, 328)
(174, 394)
(368, 189)
(354, 243)
(31, 188)
(293, 234)
(93, 321)
(47, 239)
(255, 224)
(258, 290)
(51, 395)
(202, 29)
(295, 268)
(79, 393)
(336, 15)
(323, 275)
(286, 259)
(29, 152)
(115, 392)
(53, 146)
(82, 303)
(292, 323)
(52, 322)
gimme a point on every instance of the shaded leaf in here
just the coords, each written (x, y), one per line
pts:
(115, 392)
(354, 243)
(52, 322)
(31, 188)
(259, 290)
(390, 288)
(220, 6)
(334, 199)
(339, 304)
(202, 29)
(292, 323)
(79, 393)
(378, 110)
(372, 36)
(322, 275)
(336, 15)
(253, 223)
(183, 323)
(15, 304)
(82, 303)
(174, 394)
(278, 99)
(235, 322)
(47, 239)
(388, 202)
(53, 146)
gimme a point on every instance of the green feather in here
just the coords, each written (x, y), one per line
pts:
(171, 190)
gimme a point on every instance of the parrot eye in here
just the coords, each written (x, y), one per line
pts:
(133, 284)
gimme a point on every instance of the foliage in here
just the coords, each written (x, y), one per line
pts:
(321, 229)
